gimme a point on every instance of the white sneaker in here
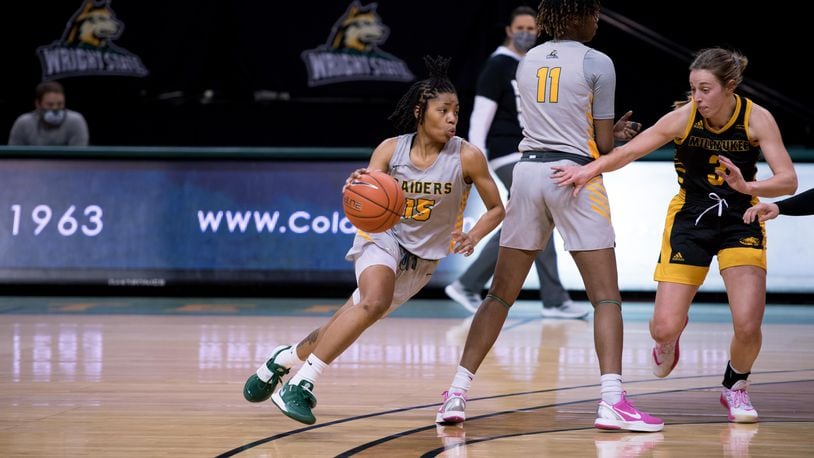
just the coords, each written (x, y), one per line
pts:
(452, 410)
(568, 310)
(736, 401)
(469, 300)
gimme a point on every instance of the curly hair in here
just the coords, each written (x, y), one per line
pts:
(554, 17)
(420, 93)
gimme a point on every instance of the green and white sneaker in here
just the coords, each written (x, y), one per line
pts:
(257, 390)
(296, 401)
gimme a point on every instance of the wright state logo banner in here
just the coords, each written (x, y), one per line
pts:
(87, 48)
(352, 51)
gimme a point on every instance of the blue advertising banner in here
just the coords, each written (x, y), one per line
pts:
(160, 221)
(164, 216)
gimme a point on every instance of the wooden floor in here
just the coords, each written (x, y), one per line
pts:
(124, 377)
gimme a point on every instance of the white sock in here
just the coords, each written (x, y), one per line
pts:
(611, 388)
(288, 358)
(283, 358)
(462, 381)
(310, 371)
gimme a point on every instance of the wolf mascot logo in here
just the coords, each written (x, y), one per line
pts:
(86, 46)
(359, 30)
(93, 26)
(352, 51)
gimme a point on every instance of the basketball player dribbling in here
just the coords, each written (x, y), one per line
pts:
(436, 169)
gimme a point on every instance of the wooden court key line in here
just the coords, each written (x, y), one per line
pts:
(258, 442)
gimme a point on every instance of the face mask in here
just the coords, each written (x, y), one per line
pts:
(53, 117)
(523, 41)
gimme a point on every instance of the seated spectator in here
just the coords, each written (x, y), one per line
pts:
(50, 124)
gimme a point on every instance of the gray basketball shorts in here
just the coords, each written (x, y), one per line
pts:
(386, 251)
(536, 205)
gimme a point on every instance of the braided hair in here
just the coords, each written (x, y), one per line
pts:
(554, 17)
(420, 93)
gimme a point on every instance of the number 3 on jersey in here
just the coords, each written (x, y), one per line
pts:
(548, 78)
(713, 177)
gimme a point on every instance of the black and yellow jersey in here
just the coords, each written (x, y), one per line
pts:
(696, 157)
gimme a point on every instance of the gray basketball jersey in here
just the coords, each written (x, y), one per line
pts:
(436, 197)
(564, 86)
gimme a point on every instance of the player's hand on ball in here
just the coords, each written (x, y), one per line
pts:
(354, 175)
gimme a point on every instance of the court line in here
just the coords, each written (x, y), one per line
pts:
(437, 451)
(275, 437)
(372, 444)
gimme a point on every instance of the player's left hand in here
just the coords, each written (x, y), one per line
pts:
(732, 175)
(464, 244)
(624, 129)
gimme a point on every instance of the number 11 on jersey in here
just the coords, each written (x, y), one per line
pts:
(544, 76)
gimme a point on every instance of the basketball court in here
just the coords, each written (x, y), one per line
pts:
(142, 377)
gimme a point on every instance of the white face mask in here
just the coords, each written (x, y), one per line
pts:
(523, 41)
(53, 117)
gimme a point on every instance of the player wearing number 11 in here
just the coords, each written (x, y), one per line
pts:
(718, 137)
(567, 103)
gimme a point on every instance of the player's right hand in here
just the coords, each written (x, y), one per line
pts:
(573, 175)
(762, 211)
(354, 175)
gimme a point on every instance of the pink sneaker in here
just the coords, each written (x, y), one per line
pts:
(665, 357)
(623, 415)
(737, 402)
(452, 410)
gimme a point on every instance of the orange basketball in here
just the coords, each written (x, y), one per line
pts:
(374, 202)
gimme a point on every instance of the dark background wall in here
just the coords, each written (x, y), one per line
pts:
(235, 49)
